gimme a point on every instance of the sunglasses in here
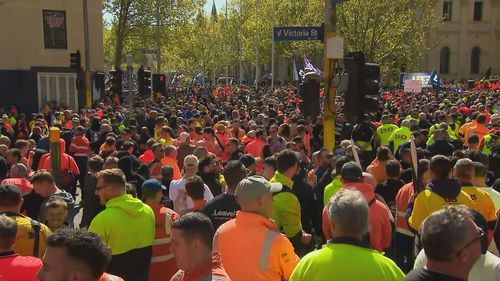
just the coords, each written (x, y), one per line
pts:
(480, 236)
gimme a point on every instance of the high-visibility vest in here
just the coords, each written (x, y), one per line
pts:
(402, 199)
(256, 149)
(162, 262)
(487, 144)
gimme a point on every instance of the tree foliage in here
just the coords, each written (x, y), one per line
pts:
(390, 32)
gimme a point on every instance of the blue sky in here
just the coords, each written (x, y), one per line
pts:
(218, 3)
(208, 7)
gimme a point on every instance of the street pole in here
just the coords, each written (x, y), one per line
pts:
(130, 69)
(241, 46)
(272, 51)
(256, 44)
(88, 81)
(329, 86)
(158, 56)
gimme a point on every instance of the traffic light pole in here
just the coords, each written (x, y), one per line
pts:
(158, 38)
(88, 80)
(329, 87)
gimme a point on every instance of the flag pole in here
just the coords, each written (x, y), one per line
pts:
(272, 51)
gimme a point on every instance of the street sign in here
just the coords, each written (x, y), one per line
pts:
(413, 86)
(297, 33)
(148, 51)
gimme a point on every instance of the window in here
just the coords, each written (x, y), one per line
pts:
(444, 61)
(447, 10)
(474, 60)
(57, 87)
(478, 11)
(54, 29)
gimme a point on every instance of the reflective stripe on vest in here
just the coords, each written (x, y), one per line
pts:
(400, 214)
(266, 249)
(162, 258)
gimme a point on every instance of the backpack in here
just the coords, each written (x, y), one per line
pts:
(68, 179)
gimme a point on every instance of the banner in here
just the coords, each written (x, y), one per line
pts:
(412, 86)
(54, 29)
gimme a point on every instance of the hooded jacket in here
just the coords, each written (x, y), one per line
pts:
(67, 161)
(379, 218)
(438, 194)
(127, 226)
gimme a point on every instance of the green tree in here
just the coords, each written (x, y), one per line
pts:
(389, 32)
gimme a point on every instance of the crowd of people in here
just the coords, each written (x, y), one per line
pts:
(238, 186)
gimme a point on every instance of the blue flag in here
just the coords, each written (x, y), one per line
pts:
(435, 80)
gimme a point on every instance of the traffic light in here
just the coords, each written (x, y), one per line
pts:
(99, 80)
(354, 65)
(370, 99)
(116, 81)
(159, 83)
(75, 61)
(362, 95)
(144, 81)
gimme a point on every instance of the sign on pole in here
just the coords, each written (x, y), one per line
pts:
(297, 33)
(149, 51)
(413, 86)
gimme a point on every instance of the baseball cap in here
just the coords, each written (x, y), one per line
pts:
(152, 186)
(191, 161)
(10, 193)
(253, 187)
(351, 172)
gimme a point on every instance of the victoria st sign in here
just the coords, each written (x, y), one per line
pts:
(297, 33)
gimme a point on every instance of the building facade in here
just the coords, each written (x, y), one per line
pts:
(38, 37)
(467, 44)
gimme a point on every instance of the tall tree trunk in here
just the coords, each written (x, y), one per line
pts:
(118, 48)
(120, 31)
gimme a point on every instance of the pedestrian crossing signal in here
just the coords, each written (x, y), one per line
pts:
(75, 60)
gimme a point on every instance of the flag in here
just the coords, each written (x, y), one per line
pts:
(308, 65)
(435, 80)
(310, 71)
(214, 11)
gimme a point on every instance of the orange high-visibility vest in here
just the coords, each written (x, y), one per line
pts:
(163, 265)
(256, 148)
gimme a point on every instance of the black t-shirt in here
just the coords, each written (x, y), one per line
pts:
(422, 274)
(32, 203)
(221, 209)
(388, 191)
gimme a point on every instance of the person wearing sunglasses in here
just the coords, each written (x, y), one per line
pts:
(453, 243)
(487, 267)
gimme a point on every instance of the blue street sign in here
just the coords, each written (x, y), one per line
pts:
(338, 1)
(297, 33)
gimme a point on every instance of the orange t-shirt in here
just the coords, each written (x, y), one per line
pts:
(172, 162)
(377, 169)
